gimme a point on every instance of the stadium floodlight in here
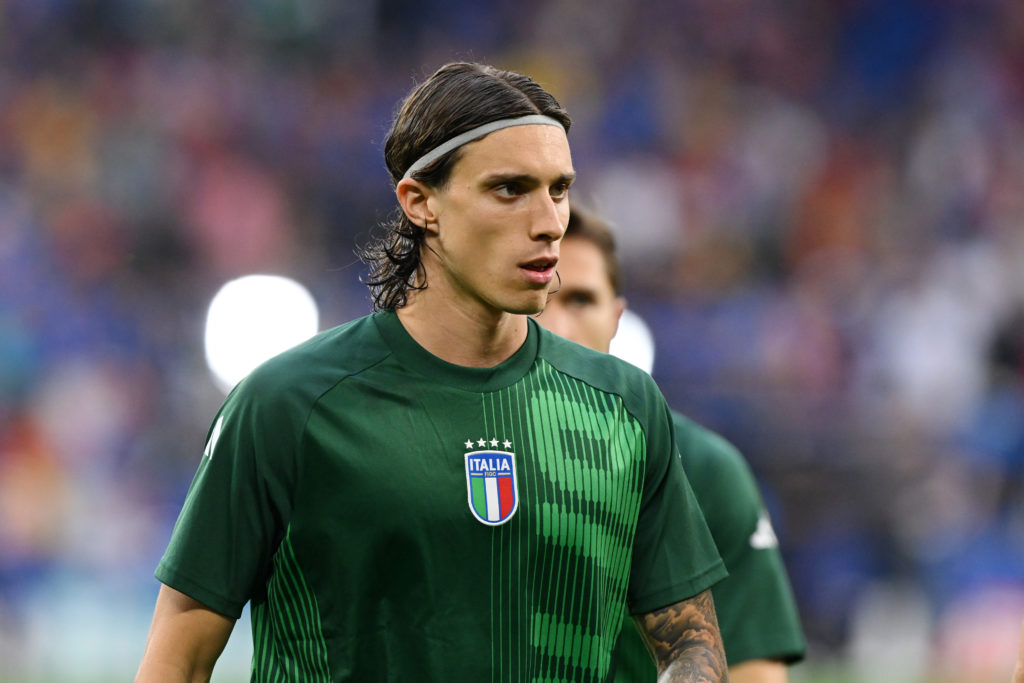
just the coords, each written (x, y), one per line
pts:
(634, 342)
(253, 318)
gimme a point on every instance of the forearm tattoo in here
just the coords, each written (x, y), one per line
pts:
(685, 641)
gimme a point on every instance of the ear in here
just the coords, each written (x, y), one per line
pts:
(620, 308)
(414, 198)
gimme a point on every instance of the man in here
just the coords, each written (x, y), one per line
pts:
(756, 611)
(442, 490)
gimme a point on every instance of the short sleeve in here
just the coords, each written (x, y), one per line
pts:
(237, 506)
(674, 556)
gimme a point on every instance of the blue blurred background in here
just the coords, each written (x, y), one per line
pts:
(820, 205)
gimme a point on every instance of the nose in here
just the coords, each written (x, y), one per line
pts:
(550, 218)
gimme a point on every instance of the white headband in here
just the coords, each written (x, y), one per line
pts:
(477, 133)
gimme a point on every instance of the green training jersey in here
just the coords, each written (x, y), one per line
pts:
(756, 609)
(390, 516)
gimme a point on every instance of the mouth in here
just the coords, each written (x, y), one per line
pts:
(540, 270)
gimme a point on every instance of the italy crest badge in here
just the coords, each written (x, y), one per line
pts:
(491, 484)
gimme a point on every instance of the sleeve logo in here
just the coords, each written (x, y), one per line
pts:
(763, 537)
(214, 436)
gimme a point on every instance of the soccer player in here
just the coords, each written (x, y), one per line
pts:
(443, 490)
(756, 612)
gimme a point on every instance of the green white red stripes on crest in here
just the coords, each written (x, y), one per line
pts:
(491, 486)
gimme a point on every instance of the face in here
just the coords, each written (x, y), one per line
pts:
(494, 230)
(585, 309)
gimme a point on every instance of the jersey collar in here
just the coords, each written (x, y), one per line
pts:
(417, 359)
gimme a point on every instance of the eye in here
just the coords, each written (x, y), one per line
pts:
(509, 190)
(579, 299)
(560, 190)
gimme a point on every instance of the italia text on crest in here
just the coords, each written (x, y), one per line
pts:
(491, 483)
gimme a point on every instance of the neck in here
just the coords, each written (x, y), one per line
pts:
(460, 335)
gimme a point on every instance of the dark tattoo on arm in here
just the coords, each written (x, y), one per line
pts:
(685, 641)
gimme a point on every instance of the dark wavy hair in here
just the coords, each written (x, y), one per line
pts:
(458, 97)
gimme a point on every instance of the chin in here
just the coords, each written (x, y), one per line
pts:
(527, 307)
(525, 310)
(521, 302)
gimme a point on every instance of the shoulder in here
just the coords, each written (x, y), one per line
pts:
(702, 447)
(721, 477)
(304, 372)
(602, 371)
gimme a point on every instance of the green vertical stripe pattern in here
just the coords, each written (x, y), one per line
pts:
(288, 641)
(560, 568)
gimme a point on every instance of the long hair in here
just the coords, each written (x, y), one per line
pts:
(458, 97)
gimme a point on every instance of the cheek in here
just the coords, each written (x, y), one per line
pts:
(485, 227)
(604, 320)
(598, 327)
(557, 319)
(476, 248)
(563, 213)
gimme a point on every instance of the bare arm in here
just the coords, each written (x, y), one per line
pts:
(685, 641)
(185, 640)
(759, 671)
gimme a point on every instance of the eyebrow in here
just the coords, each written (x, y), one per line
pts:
(524, 178)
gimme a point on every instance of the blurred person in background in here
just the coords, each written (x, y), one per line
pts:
(443, 490)
(757, 613)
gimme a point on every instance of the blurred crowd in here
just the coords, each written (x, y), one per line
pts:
(819, 204)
